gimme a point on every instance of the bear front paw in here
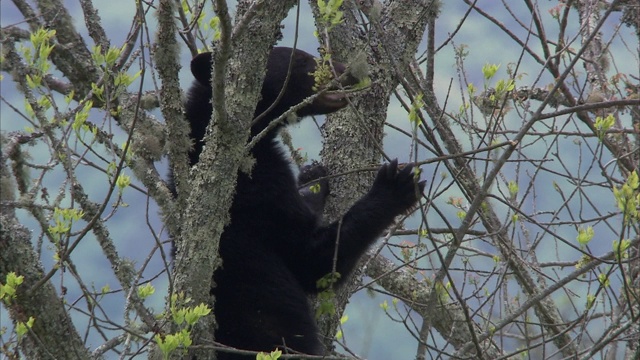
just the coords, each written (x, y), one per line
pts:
(397, 188)
(311, 172)
(314, 193)
(308, 175)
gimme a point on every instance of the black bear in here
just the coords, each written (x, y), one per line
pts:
(275, 249)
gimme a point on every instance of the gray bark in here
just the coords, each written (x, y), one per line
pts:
(379, 36)
(353, 137)
(53, 335)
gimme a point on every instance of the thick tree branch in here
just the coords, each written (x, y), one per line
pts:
(353, 138)
(53, 335)
(212, 182)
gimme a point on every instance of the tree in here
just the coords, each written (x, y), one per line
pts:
(527, 241)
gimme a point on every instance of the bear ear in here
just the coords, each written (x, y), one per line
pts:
(201, 68)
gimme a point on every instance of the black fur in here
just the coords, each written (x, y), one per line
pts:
(275, 248)
(314, 193)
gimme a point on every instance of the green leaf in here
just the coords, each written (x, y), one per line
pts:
(123, 181)
(602, 125)
(146, 290)
(105, 289)
(33, 82)
(315, 188)
(111, 56)
(513, 189)
(620, 249)
(179, 316)
(489, 70)
(416, 105)
(604, 280)
(22, 328)
(585, 235)
(471, 89)
(632, 181)
(167, 344)
(96, 55)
